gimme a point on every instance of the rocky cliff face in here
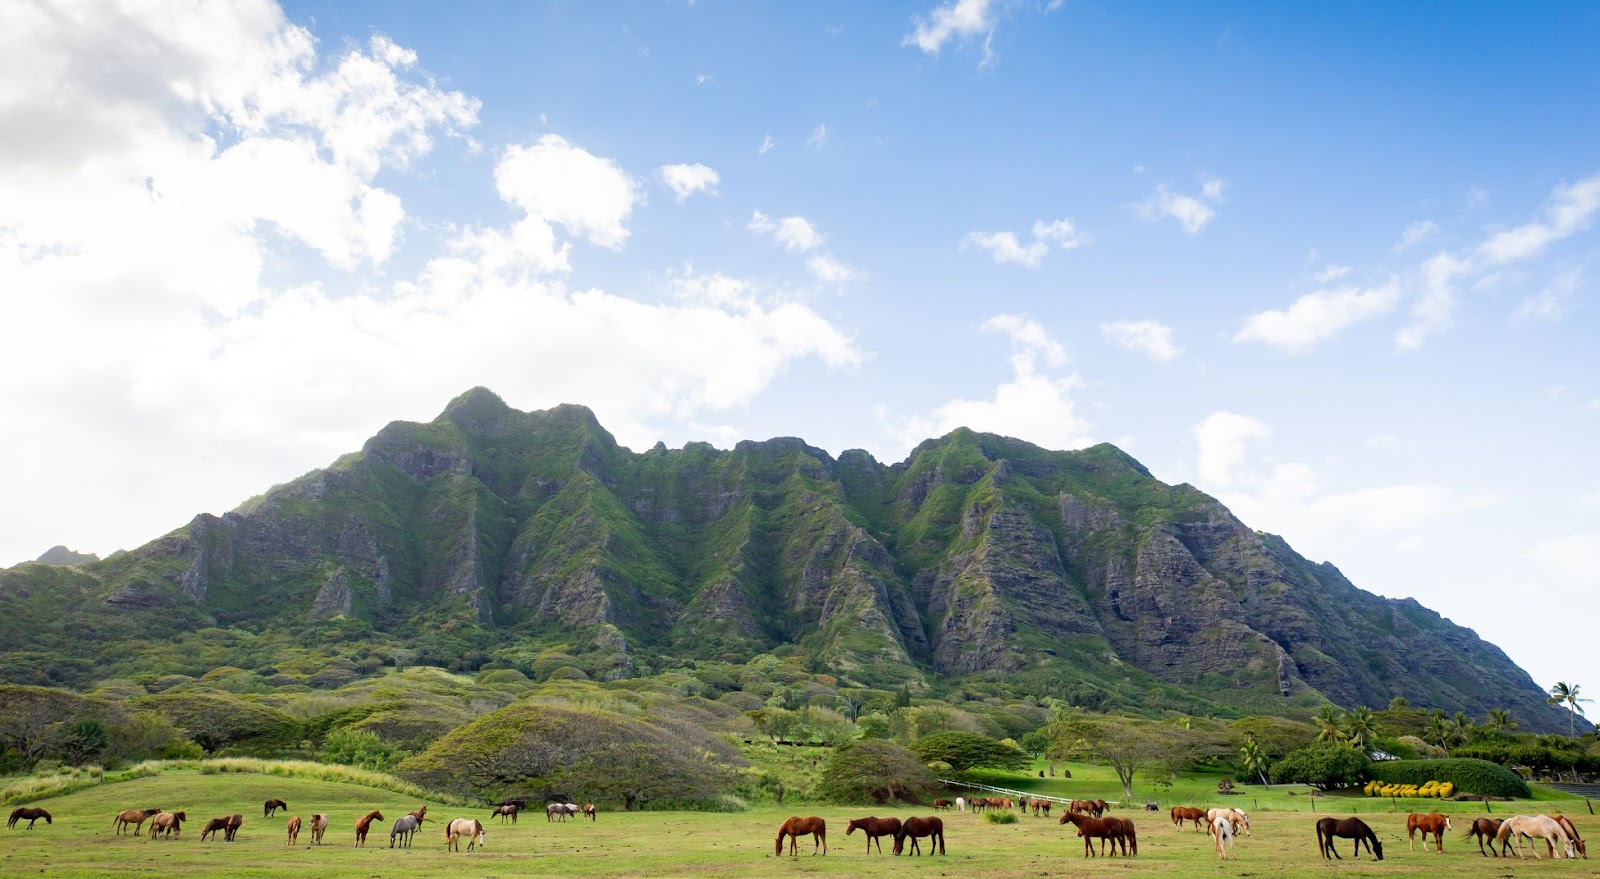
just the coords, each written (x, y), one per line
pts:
(978, 556)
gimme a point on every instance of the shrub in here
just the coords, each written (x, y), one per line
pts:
(1323, 766)
(1478, 777)
(1000, 817)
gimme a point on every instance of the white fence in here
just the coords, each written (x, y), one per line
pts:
(1006, 790)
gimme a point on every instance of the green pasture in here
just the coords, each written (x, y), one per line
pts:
(714, 845)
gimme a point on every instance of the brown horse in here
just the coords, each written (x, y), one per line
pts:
(1091, 828)
(136, 817)
(235, 821)
(1181, 814)
(1572, 832)
(1095, 808)
(29, 813)
(942, 805)
(1432, 823)
(504, 812)
(874, 828)
(168, 824)
(916, 828)
(364, 824)
(319, 826)
(589, 812)
(270, 807)
(1348, 828)
(1486, 828)
(294, 829)
(796, 827)
(213, 827)
(1041, 807)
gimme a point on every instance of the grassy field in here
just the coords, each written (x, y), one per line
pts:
(708, 845)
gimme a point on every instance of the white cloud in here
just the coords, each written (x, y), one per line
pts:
(766, 145)
(819, 137)
(956, 20)
(1551, 303)
(569, 187)
(1415, 234)
(1568, 210)
(794, 233)
(1147, 337)
(702, 78)
(829, 270)
(1034, 405)
(1331, 273)
(686, 180)
(1191, 213)
(1222, 440)
(1317, 316)
(1005, 246)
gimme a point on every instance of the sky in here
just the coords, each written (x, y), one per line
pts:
(1330, 263)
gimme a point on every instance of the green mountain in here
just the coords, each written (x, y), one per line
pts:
(980, 562)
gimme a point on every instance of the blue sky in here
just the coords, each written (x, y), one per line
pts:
(1330, 263)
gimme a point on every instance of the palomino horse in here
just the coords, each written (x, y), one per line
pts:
(1103, 829)
(1240, 820)
(873, 828)
(1222, 834)
(1536, 827)
(1328, 829)
(1486, 828)
(364, 824)
(404, 828)
(168, 824)
(1434, 823)
(272, 806)
(294, 829)
(796, 827)
(1572, 833)
(504, 812)
(1181, 814)
(136, 817)
(468, 827)
(319, 826)
(916, 828)
(29, 813)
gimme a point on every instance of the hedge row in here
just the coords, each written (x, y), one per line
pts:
(1478, 777)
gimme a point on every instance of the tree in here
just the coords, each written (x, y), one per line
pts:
(1399, 703)
(1501, 720)
(1564, 692)
(1035, 743)
(875, 770)
(1440, 731)
(964, 750)
(1128, 745)
(29, 715)
(1323, 765)
(215, 720)
(1254, 759)
(1327, 718)
(82, 741)
(1360, 726)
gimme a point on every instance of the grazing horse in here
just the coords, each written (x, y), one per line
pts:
(914, 829)
(468, 827)
(939, 805)
(364, 824)
(1181, 814)
(562, 811)
(504, 812)
(270, 807)
(961, 804)
(1572, 833)
(214, 826)
(294, 829)
(1222, 834)
(319, 826)
(590, 813)
(796, 827)
(1240, 820)
(29, 813)
(404, 827)
(168, 824)
(1348, 828)
(136, 817)
(1486, 828)
(873, 828)
(1091, 828)
(1434, 823)
(235, 821)
(1095, 808)
(1041, 807)
(1536, 827)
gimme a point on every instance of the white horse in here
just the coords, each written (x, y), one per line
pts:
(468, 827)
(1222, 833)
(1236, 817)
(961, 804)
(1536, 827)
(562, 811)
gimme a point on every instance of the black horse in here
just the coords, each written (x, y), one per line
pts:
(1346, 828)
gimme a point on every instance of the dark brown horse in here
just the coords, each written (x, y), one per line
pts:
(1329, 829)
(1095, 808)
(1181, 814)
(943, 805)
(364, 824)
(796, 827)
(1130, 837)
(874, 828)
(270, 807)
(29, 813)
(1485, 829)
(916, 828)
(235, 822)
(1434, 823)
(1091, 828)
(1564, 821)
(214, 827)
(504, 812)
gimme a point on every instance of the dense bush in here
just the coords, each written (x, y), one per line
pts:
(1471, 776)
(875, 771)
(1322, 766)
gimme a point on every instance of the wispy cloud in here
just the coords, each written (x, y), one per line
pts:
(1317, 316)
(956, 21)
(819, 137)
(1415, 234)
(686, 180)
(766, 145)
(1147, 337)
(1005, 247)
(798, 234)
(1191, 212)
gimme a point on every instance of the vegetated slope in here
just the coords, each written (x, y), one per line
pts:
(982, 558)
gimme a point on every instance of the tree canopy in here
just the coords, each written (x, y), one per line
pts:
(875, 771)
(963, 751)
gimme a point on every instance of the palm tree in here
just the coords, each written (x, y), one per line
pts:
(1439, 731)
(1460, 725)
(1327, 718)
(1254, 759)
(1501, 720)
(1360, 727)
(1568, 693)
(1399, 703)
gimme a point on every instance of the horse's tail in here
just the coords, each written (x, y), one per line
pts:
(1133, 838)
